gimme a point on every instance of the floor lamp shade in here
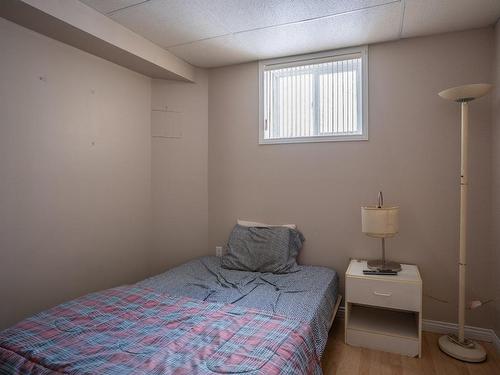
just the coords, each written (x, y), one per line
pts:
(380, 222)
(466, 93)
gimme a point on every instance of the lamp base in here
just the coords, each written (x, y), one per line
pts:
(381, 265)
(468, 351)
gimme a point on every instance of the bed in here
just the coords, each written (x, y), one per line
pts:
(198, 318)
(310, 294)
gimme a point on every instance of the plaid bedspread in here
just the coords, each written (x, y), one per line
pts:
(132, 330)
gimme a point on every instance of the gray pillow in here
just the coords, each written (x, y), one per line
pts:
(263, 249)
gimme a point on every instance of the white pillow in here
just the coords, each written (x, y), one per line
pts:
(245, 223)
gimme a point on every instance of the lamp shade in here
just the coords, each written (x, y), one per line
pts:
(466, 93)
(380, 222)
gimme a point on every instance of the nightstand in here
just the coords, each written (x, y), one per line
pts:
(384, 312)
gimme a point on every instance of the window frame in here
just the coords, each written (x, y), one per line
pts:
(311, 58)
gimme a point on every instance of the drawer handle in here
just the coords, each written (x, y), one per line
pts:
(382, 294)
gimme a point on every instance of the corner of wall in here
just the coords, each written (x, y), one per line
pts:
(179, 172)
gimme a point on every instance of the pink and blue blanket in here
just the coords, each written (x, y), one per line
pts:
(135, 330)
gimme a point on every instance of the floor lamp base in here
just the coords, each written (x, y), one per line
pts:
(470, 351)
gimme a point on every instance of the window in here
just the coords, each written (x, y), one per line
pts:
(314, 98)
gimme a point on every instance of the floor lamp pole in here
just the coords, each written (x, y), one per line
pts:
(463, 219)
(458, 346)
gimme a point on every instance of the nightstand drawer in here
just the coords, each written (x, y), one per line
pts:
(396, 295)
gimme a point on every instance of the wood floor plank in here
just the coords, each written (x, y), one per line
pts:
(491, 366)
(366, 360)
(342, 359)
(443, 363)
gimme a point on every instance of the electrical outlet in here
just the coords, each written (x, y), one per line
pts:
(218, 251)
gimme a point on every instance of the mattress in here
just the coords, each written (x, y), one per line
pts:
(309, 294)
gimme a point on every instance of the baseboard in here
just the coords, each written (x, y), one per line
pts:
(340, 313)
(436, 326)
(475, 333)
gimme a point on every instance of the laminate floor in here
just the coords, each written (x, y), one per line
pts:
(342, 359)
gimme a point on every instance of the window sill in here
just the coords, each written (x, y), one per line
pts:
(341, 138)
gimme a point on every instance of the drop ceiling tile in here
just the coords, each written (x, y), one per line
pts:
(106, 6)
(351, 29)
(169, 22)
(345, 30)
(224, 50)
(240, 15)
(425, 17)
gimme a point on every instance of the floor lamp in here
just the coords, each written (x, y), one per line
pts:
(455, 346)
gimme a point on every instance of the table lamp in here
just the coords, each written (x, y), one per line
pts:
(381, 222)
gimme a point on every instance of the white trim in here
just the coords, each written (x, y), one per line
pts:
(496, 342)
(475, 333)
(314, 139)
(290, 60)
(318, 55)
(436, 326)
(311, 60)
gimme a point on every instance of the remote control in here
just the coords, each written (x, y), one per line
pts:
(382, 272)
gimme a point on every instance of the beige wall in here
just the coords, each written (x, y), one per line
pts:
(75, 156)
(179, 175)
(496, 179)
(413, 155)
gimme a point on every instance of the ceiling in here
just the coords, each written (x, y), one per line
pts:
(210, 33)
